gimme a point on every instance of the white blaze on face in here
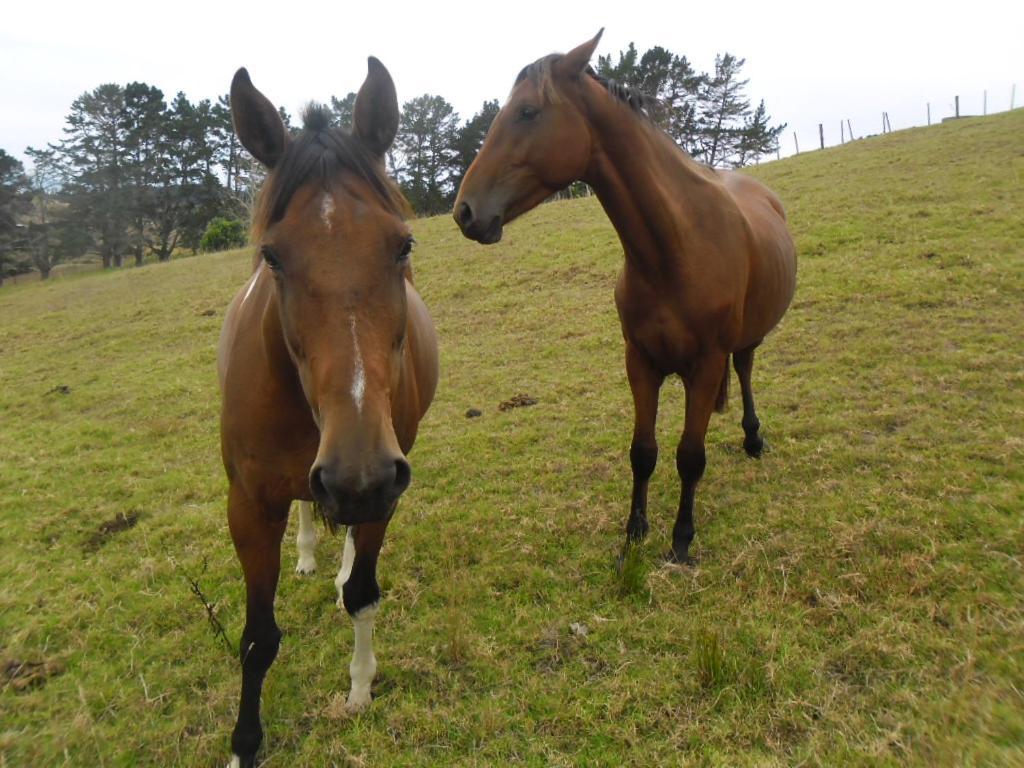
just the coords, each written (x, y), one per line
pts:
(358, 374)
(252, 284)
(327, 210)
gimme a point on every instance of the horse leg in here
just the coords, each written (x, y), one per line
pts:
(360, 595)
(347, 557)
(305, 540)
(701, 392)
(257, 534)
(743, 362)
(645, 383)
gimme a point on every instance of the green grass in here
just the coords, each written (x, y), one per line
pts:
(859, 595)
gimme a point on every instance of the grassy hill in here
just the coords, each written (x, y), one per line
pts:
(859, 598)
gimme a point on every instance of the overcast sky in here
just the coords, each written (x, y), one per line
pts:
(810, 61)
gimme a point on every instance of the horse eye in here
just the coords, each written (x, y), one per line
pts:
(527, 113)
(270, 257)
(403, 255)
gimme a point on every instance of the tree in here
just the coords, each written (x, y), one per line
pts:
(92, 156)
(758, 137)
(729, 133)
(708, 116)
(144, 118)
(343, 109)
(625, 71)
(470, 137)
(191, 194)
(669, 82)
(52, 235)
(428, 160)
(14, 203)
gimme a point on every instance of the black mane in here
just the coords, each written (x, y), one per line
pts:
(320, 152)
(637, 100)
(539, 72)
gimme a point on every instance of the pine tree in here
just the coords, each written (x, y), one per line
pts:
(53, 236)
(757, 137)
(723, 109)
(144, 108)
(342, 109)
(707, 115)
(470, 137)
(93, 155)
(14, 203)
(428, 160)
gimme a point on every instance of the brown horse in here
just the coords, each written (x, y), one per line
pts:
(710, 266)
(327, 363)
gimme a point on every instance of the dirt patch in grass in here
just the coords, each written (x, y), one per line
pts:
(519, 401)
(23, 675)
(120, 522)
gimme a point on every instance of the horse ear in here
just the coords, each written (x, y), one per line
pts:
(375, 115)
(576, 60)
(257, 124)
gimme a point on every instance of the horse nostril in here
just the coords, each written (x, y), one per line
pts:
(403, 475)
(465, 216)
(316, 485)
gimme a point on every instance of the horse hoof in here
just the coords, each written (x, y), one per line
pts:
(306, 567)
(358, 702)
(754, 448)
(636, 530)
(680, 558)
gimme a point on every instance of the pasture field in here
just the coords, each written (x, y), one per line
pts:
(859, 598)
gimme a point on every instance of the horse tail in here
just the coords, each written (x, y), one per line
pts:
(723, 389)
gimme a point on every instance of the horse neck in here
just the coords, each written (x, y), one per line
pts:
(643, 181)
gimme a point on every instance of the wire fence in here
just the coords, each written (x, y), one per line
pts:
(827, 133)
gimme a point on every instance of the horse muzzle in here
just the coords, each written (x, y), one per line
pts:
(482, 229)
(353, 498)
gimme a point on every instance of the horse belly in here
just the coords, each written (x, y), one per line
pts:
(770, 288)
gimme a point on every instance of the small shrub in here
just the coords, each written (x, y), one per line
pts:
(632, 572)
(710, 661)
(222, 234)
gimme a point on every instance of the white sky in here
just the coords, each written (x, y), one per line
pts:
(810, 61)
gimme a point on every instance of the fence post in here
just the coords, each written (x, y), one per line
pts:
(957, 105)
(796, 143)
(929, 113)
(984, 102)
(821, 134)
(842, 133)
(850, 127)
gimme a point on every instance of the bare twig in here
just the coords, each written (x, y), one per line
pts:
(210, 608)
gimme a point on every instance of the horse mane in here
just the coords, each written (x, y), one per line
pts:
(635, 99)
(539, 73)
(319, 153)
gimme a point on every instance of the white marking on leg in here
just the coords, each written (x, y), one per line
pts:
(305, 540)
(236, 762)
(347, 558)
(364, 663)
(358, 374)
(327, 210)
(252, 284)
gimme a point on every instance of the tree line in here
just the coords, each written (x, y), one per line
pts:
(137, 176)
